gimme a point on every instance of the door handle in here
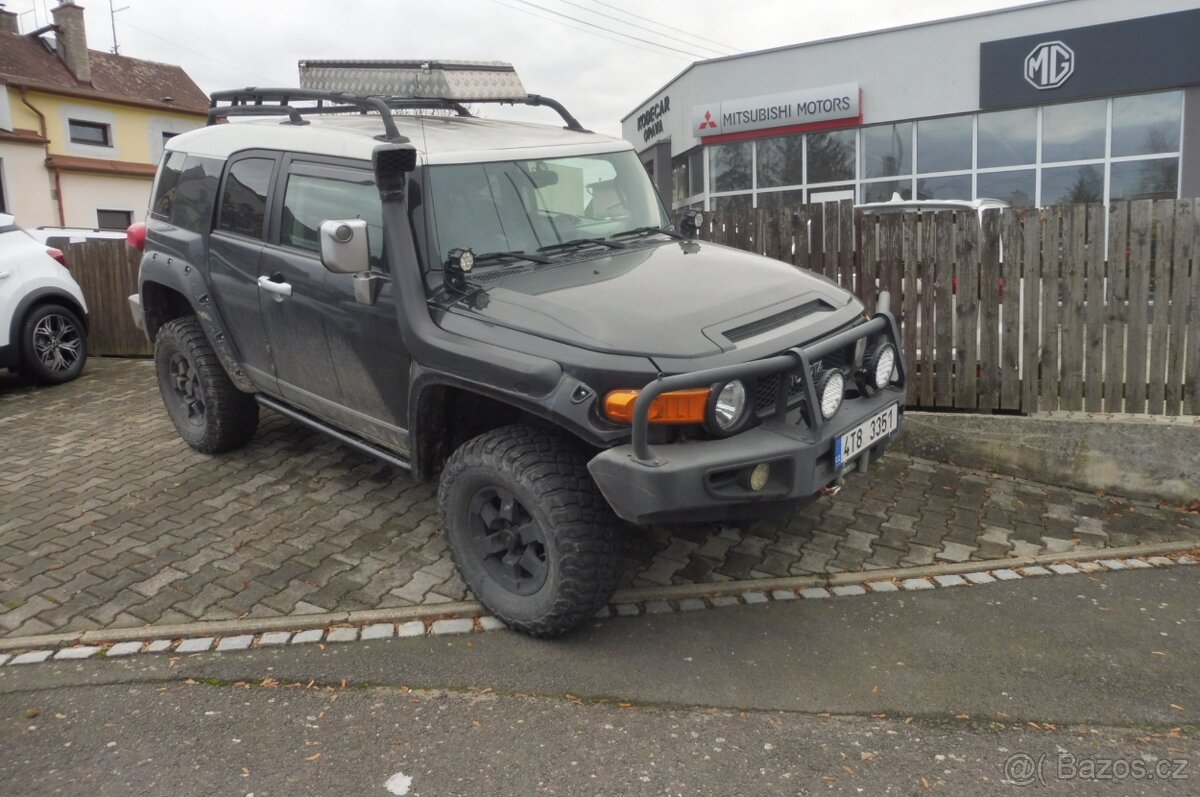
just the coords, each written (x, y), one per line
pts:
(279, 289)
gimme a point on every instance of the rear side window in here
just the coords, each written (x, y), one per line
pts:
(165, 188)
(310, 200)
(186, 191)
(244, 200)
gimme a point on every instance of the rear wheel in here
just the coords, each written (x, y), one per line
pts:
(53, 344)
(208, 411)
(531, 534)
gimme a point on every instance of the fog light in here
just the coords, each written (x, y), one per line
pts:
(759, 476)
(830, 387)
(880, 365)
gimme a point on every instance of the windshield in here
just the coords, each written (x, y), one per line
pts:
(525, 205)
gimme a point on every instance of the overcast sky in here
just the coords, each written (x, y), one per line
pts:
(600, 75)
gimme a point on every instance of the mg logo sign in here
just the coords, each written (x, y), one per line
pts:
(1049, 65)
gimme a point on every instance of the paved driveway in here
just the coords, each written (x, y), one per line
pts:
(107, 519)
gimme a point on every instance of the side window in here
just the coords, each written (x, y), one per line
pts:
(168, 182)
(244, 199)
(186, 191)
(310, 200)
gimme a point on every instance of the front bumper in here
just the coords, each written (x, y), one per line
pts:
(703, 480)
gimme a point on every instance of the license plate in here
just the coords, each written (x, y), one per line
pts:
(863, 436)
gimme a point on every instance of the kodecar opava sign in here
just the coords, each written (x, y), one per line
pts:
(788, 109)
(650, 121)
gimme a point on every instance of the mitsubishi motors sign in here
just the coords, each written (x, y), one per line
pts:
(808, 109)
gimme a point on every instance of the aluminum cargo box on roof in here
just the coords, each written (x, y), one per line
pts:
(453, 80)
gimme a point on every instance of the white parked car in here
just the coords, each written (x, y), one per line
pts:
(43, 316)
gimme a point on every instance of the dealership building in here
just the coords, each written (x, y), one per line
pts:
(1055, 102)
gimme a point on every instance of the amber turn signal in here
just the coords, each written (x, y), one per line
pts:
(679, 406)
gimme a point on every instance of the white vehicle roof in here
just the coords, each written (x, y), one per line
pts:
(437, 139)
(898, 204)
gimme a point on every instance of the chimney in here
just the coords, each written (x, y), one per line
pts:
(8, 21)
(72, 40)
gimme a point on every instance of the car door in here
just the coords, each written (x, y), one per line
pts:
(234, 258)
(363, 386)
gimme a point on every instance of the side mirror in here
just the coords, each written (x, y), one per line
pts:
(344, 246)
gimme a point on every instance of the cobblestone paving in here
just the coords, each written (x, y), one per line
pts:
(107, 519)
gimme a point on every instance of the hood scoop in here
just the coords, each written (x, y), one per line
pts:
(754, 328)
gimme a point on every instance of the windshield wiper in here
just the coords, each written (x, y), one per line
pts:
(514, 255)
(577, 242)
(649, 231)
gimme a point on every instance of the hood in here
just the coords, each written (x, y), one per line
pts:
(674, 299)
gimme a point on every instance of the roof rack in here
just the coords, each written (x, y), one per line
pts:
(254, 101)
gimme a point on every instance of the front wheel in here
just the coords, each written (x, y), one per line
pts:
(208, 410)
(53, 344)
(531, 534)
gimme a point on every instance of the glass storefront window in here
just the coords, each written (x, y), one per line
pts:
(696, 172)
(1074, 132)
(780, 161)
(729, 166)
(887, 150)
(1147, 124)
(776, 199)
(883, 190)
(956, 187)
(679, 178)
(1072, 185)
(1148, 179)
(944, 145)
(727, 205)
(1008, 138)
(831, 156)
(1017, 188)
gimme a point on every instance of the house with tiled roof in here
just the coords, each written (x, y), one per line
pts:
(81, 131)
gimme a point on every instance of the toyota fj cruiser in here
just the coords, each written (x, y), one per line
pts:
(502, 306)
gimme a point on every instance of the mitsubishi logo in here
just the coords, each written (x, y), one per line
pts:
(1049, 65)
(708, 121)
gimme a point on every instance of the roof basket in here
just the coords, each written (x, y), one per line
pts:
(332, 87)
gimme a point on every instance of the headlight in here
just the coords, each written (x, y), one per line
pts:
(729, 406)
(879, 365)
(830, 387)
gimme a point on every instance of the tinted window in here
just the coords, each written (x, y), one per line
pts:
(1146, 125)
(1007, 138)
(308, 201)
(1074, 132)
(944, 145)
(831, 156)
(781, 161)
(244, 200)
(1073, 185)
(729, 166)
(1016, 188)
(1148, 179)
(196, 194)
(887, 150)
(114, 219)
(168, 183)
(957, 187)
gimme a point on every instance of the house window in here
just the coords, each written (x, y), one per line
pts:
(168, 136)
(93, 133)
(114, 219)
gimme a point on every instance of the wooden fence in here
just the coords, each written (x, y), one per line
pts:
(106, 271)
(1066, 308)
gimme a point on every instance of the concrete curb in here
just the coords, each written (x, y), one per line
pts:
(468, 616)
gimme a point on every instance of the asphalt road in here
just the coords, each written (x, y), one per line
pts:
(904, 693)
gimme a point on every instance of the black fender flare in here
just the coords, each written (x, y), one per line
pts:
(189, 282)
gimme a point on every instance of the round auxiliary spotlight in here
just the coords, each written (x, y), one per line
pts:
(879, 364)
(831, 385)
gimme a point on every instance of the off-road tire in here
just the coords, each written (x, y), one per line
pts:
(583, 541)
(53, 345)
(209, 412)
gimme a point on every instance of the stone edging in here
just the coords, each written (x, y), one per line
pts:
(466, 617)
